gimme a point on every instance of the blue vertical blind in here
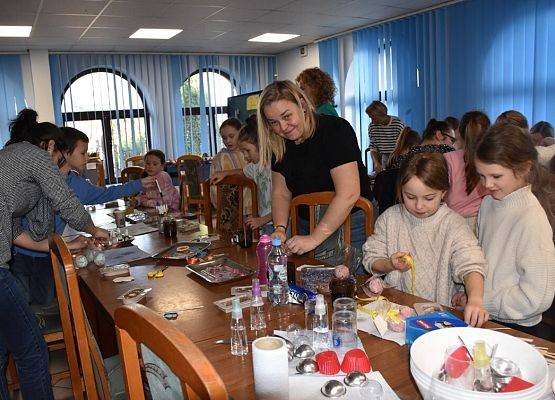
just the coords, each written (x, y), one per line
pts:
(490, 55)
(12, 97)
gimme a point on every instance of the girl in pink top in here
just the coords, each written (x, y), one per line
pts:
(162, 193)
(466, 193)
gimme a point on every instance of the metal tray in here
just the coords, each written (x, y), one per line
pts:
(171, 253)
(221, 270)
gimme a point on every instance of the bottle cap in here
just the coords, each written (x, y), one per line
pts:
(276, 242)
(320, 307)
(265, 239)
(255, 287)
(236, 310)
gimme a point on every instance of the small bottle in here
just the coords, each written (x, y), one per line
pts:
(263, 248)
(278, 290)
(239, 346)
(258, 319)
(483, 381)
(320, 338)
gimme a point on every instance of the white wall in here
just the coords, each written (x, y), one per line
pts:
(290, 63)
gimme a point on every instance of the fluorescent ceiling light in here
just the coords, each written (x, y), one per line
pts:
(15, 31)
(273, 37)
(155, 33)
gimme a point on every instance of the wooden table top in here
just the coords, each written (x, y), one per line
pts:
(203, 322)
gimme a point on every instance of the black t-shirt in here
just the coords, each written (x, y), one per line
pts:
(306, 166)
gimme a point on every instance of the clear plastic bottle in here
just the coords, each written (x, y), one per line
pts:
(483, 381)
(239, 346)
(263, 248)
(320, 338)
(278, 290)
(258, 318)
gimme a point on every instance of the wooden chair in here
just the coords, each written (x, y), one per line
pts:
(80, 343)
(171, 353)
(229, 215)
(131, 174)
(94, 171)
(190, 188)
(135, 161)
(324, 198)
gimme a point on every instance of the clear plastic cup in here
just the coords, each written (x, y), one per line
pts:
(309, 314)
(344, 303)
(458, 367)
(344, 325)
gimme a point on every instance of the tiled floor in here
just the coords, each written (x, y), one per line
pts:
(62, 389)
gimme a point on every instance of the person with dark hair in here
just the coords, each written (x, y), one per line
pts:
(406, 140)
(443, 250)
(543, 128)
(162, 190)
(33, 269)
(515, 229)
(320, 89)
(438, 137)
(466, 193)
(453, 123)
(32, 186)
(513, 117)
(383, 132)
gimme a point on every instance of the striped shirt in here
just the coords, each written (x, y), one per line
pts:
(383, 138)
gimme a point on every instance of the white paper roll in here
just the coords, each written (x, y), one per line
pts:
(271, 371)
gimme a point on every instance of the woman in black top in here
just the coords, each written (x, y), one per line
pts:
(309, 153)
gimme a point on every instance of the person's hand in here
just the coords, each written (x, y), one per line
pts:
(100, 235)
(148, 182)
(459, 300)
(377, 168)
(474, 313)
(397, 261)
(301, 244)
(254, 222)
(279, 234)
(217, 177)
(79, 243)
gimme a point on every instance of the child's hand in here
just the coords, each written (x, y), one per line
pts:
(459, 300)
(474, 313)
(148, 182)
(217, 177)
(398, 262)
(254, 222)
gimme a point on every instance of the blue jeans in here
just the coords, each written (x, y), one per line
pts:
(34, 275)
(20, 335)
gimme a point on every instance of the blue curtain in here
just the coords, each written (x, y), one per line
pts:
(160, 78)
(490, 55)
(328, 53)
(12, 97)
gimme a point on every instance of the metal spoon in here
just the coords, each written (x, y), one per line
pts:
(466, 348)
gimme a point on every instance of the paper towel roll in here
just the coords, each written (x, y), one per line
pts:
(270, 367)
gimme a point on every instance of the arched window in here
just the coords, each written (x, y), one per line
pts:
(111, 110)
(201, 124)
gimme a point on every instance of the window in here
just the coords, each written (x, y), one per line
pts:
(217, 87)
(110, 109)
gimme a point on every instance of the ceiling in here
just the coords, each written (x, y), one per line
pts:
(209, 26)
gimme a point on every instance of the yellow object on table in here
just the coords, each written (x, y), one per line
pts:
(407, 258)
(155, 274)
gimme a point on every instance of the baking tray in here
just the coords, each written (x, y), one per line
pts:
(171, 253)
(221, 270)
(136, 217)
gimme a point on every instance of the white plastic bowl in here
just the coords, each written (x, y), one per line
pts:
(427, 354)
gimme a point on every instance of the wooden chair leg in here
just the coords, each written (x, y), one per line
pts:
(13, 383)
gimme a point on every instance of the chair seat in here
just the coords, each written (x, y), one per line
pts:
(114, 374)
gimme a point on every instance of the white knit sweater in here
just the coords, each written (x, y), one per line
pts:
(443, 246)
(517, 241)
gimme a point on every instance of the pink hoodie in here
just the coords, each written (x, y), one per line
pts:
(170, 195)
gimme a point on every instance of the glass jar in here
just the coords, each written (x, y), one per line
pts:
(342, 287)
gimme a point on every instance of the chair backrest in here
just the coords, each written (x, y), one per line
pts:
(94, 171)
(77, 332)
(189, 172)
(173, 354)
(135, 161)
(131, 174)
(229, 203)
(324, 198)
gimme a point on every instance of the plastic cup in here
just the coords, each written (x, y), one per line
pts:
(344, 304)
(344, 324)
(458, 367)
(309, 314)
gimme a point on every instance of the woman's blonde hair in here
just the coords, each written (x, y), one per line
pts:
(271, 144)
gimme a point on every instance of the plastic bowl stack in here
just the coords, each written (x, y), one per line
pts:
(428, 351)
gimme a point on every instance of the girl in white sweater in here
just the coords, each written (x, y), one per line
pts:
(442, 246)
(514, 229)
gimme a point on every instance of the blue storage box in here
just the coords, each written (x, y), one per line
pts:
(421, 324)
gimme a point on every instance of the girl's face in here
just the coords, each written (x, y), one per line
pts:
(77, 159)
(419, 199)
(250, 151)
(286, 119)
(499, 180)
(153, 165)
(230, 135)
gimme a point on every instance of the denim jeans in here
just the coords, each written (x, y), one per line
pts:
(34, 275)
(20, 336)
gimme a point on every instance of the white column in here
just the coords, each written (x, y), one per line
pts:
(40, 74)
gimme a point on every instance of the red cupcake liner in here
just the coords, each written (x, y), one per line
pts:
(328, 363)
(356, 360)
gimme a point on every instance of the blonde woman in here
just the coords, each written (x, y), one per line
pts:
(310, 153)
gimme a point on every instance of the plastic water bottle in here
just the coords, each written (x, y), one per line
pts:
(258, 318)
(278, 290)
(239, 346)
(320, 338)
(263, 248)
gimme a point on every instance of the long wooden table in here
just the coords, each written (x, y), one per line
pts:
(203, 322)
